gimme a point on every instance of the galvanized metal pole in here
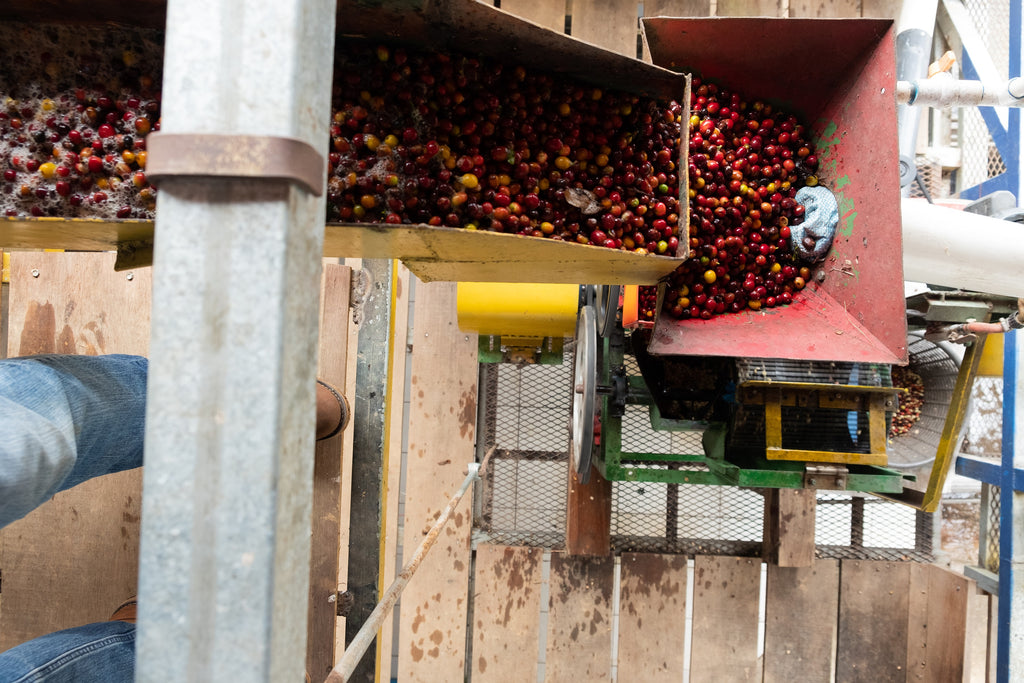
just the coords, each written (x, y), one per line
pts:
(224, 566)
(1010, 636)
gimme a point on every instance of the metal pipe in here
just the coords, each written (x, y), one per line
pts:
(913, 53)
(951, 248)
(944, 92)
(368, 632)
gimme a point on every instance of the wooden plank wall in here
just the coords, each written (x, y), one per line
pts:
(613, 24)
(73, 560)
(833, 621)
(442, 432)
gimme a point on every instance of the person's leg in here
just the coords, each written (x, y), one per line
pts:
(97, 653)
(65, 419)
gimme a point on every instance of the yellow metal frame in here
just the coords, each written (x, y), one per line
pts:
(774, 395)
(945, 453)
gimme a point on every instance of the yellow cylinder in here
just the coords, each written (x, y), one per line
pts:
(515, 309)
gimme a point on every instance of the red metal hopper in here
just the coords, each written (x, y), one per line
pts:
(838, 76)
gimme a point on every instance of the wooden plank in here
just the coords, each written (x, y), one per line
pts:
(801, 610)
(393, 492)
(327, 482)
(814, 9)
(506, 607)
(873, 608)
(652, 609)
(579, 637)
(611, 24)
(749, 8)
(725, 606)
(588, 516)
(547, 13)
(936, 649)
(881, 9)
(677, 8)
(442, 424)
(75, 558)
(789, 527)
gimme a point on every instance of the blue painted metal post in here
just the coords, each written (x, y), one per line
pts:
(1010, 639)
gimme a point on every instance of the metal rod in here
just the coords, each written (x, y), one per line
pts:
(944, 92)
(368, 632)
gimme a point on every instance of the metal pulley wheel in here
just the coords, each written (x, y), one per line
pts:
(584, 395)
(607, 308)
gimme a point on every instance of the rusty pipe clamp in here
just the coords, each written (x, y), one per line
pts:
(223, 155)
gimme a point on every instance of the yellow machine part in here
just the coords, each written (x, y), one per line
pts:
(518, 310)
(992, 357)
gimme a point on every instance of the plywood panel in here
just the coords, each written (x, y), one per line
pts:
(748, 8)
(652, 618)
(881, 9)
(677, 8)
(817, 10)
(588, 514)
(327, 480)
(789, 527)
(442, 419)
(506, 607)
(873, 608)
(579, 637)
(74, 559)
(612, 24)
(935, 650)
(801, 606)
(725, 605)
(547, 13)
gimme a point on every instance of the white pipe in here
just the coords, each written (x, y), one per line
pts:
(953, 248)
(944, 92)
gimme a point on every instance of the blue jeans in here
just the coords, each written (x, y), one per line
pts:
(63, 420)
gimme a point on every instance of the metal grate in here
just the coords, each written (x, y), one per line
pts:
(981, 159)
(992, 509)
(984, 436)
(526, 414)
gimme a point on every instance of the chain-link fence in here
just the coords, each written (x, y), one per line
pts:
(527, 412)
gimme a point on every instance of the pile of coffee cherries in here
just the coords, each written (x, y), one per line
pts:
(461, 141)
(74, 114)
(746, 163)
(452, 140)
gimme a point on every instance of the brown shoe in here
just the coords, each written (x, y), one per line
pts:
(332, 411)
(126, 612)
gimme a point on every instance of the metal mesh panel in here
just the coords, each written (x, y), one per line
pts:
(855, 526)
(981, 159)
(984, 435)
(526, 413)
(991, 540)
(929, 171)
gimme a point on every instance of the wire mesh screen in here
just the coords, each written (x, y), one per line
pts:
(990, 557)
(526, 413)
(984, 436)
(981, 159)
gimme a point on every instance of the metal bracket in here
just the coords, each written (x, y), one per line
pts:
(221, 155)
(825, 477)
